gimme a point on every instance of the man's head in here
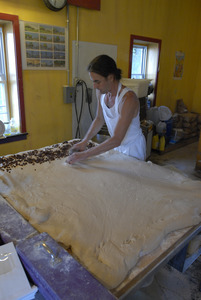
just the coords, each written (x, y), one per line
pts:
(103, 72)
(104, 65)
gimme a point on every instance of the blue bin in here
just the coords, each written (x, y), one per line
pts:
(169, 125)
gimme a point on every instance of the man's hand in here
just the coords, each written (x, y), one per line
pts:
(75, 157)
(81, 146)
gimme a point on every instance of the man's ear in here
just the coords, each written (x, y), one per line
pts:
(110, 77)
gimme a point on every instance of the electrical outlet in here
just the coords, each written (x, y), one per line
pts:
(68, 94)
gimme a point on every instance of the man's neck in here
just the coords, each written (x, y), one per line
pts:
(114, 89)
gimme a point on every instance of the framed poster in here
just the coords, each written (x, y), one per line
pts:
(179, 65)
(43, 46)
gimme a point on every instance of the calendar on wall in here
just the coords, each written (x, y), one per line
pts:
(43, 46)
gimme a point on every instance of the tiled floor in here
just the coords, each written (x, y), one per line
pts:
(168, 283)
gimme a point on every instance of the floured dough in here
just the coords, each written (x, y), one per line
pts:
(111, 210)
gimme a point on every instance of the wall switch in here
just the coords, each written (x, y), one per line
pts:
(68, 94)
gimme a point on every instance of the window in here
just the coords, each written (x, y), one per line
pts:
(144, 56)
(4, 108)
(11, 85)
(139, 56)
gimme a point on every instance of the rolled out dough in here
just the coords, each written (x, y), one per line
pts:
(110, 210)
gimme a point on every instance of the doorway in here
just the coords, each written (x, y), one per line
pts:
(150, 63)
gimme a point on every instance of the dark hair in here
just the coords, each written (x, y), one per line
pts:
(104, 65)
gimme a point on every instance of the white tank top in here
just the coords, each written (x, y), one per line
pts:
(134, 143)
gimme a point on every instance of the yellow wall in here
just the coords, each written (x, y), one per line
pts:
(196, 106)
(48, 119)
(176, 23)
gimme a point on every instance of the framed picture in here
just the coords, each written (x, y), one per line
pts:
(43, 46)
(179, 65)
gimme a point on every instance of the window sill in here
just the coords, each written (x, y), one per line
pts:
(13, 138)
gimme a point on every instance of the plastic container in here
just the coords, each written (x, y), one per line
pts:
(155, 142)
(162, 143)
(178, 134)
(13, 126)
(164, 113)
(153, 115)
(161, 128)
(169, 125)
(7, 128)
(139, 86)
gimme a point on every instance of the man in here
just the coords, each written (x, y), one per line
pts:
(118, 107)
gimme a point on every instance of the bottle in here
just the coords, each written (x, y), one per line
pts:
(162, 143)
(13, 126)
(155, 142)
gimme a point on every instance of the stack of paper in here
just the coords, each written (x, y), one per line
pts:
(13, 280)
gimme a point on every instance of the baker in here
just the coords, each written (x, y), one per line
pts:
(118, 107)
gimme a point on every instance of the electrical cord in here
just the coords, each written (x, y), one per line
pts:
(78, 117)
(83, 84)
(88, 99)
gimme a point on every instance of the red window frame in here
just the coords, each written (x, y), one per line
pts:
(16, 32)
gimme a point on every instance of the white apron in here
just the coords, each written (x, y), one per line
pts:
(134, 143)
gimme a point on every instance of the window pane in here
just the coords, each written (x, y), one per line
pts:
(2, 68)
(3, 106)
(138, 62)
(3, 92)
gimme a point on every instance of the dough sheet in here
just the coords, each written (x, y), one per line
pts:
(110, 210)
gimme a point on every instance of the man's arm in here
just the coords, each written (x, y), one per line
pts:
(94, 128)
(128, 111)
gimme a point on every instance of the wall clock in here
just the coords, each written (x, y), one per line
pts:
(55, 5)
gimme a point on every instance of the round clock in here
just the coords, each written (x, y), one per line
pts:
(55, 5)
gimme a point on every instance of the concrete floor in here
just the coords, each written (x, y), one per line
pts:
(183, 159)
(168, 283)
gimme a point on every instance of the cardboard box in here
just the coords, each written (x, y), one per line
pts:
(139, 86)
